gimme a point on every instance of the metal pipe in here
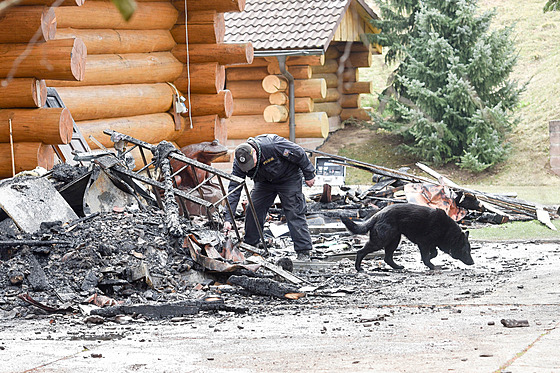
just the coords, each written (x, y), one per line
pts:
(291, 97)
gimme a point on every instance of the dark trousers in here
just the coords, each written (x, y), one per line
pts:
(293, 204)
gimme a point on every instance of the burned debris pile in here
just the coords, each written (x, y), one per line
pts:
(390, 186)
(105, 237)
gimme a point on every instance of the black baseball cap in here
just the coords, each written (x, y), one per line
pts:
(244, 157)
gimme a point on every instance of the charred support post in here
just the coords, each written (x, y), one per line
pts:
(161, 153)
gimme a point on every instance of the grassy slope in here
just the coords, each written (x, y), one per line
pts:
(537, 36)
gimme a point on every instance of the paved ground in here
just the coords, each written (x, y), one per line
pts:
(383, 321)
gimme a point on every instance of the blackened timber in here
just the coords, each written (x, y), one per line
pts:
(33, 242)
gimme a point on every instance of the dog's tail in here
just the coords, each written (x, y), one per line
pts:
(358, 228)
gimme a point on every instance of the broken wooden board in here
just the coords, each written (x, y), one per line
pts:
(32, 201)
(276, 269)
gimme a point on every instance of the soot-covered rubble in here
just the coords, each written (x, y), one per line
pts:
(136, 260)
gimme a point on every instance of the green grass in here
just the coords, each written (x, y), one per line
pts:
(517, 230)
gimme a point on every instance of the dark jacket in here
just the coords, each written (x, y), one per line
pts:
(278, 161)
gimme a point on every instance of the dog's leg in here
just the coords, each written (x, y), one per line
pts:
(389, 251)
(433, 253)
(369, 247)
(426, 253)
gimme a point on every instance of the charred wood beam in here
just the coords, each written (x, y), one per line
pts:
(265, 286)
(33, 242)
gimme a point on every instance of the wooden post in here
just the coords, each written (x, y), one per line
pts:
(23, 93)
(206, 78)
(27, 156)
(50, 126)
(19, 24)
(223, 53)
(54, 59)
(105, 15)
(112, 101)
(134, 68)
(120, 41)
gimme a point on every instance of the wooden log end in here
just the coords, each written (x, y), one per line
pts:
(48, 23)
(228, 103)
(66, 126)
(78, 59)
(40, 92)
(45, 156)
(249, 51)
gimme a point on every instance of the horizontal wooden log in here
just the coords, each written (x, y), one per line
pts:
(51, 2)
(223, 53)
(330, 67)
(358, 113)
(359, 59)
(333, 53)
(314, 60)
(246, 73)
(297, 71)
(23, 93)
(350, 101)
(205, 128)
(113, 101)
(220, 6)
(247, 89)
(54, 59)
(105, 41)
(152, 128)
(314, 88)
(331, 79)
(333, 95)
(350, 74)
(356, 87)
(220, 104)
(50, 126)
(332, 109)
(133, 68)
(275, 114)
(302, 104)
(28, 21)
(275, 83)
(201, 32)
(27, 156)
(206, 78)
(105, 15)
(249, 106)
(313, 125)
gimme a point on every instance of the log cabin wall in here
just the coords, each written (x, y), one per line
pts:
(123, 83)
(327, 87)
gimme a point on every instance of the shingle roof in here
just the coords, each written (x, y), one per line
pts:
(285, 24)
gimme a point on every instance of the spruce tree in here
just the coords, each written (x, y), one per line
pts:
(451, 97)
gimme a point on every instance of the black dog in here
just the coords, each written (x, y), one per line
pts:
(424, 226)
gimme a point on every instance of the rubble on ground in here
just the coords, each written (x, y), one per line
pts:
(135, 252)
